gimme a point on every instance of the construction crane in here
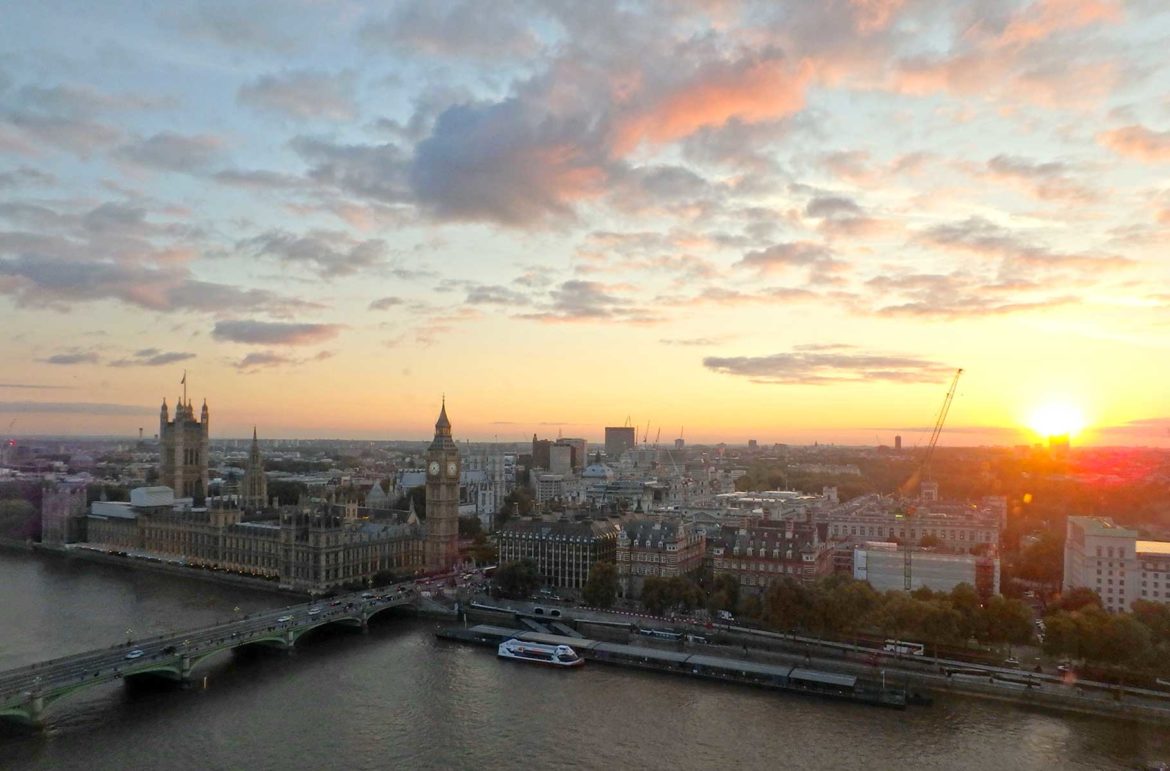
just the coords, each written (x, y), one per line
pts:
(922, 473)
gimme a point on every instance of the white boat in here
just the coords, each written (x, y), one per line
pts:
(552, 655)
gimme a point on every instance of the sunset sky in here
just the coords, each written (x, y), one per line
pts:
(788, 221)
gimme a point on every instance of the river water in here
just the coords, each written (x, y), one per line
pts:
(399, 698)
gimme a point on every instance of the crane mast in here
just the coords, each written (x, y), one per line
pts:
(923, 472)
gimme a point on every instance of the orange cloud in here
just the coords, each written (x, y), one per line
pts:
(750, 90)
(1045, 17)
(1138, 142)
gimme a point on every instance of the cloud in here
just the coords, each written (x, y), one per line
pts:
(957, 295)
(821, 368)
(75, 408)
(577, 300)
(370, 171)
(328, 253)
(506, 163)
(754, 88)
(1048, 180)
(385, 303)
(779, 257)
(1138, 142)
(304, 94)
(693, 341)
(976, 234)
(259, 179)
(495, 295)
(467, 29)
(35, 280)
(71, 358)
(35, 386)
(832, 206)
(170, 151)
(273, 332)
(151, 357)
(25, 176)
(258, 360)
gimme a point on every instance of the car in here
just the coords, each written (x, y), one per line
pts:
(367, 595)
(1064, 669)
(1012, 662)
(284, 619)
(135, 654)
(314, 611)
(335, 603)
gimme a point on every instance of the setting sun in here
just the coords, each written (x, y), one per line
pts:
(1057, 420)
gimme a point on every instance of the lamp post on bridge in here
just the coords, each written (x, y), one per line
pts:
(129, 635)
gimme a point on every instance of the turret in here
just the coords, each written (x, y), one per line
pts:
(203, 417)
(163, 419)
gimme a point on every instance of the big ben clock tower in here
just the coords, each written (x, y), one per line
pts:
(441, 550)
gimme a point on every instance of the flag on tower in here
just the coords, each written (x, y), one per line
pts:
(184, 380)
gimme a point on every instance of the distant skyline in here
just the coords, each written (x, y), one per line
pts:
(787, 221)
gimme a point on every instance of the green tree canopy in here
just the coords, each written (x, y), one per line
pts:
(517, 579)
(601, 587)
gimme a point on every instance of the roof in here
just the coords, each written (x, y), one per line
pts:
(1102, 526)
(828, 678)
(1153, 548)
(738, 665)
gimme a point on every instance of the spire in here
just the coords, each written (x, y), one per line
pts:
(253, 435)
(443, 425)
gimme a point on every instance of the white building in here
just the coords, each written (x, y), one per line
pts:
(1113, 562)
(884, 566)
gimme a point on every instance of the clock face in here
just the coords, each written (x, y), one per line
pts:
(451, 469)
(434, 468)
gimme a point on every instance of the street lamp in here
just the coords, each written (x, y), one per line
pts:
(129, 636)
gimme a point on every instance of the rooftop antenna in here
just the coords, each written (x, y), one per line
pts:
(184, 384)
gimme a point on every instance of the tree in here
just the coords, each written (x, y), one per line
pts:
(655, 594)
(601, 587)
(1007, 621)
(1124, 640)
(483, 551)
(965, 600)
(518, 503)
(929, 541)
(938, 622)
(470, 527)
(724, 593)
(1077, 598)
(517, 579)
(1043, 561)
(788, 604)
(842, 603)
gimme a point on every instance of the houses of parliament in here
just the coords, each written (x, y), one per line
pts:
(316, 544)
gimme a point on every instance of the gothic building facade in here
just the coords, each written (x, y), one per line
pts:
(254, 486)
(442, 525)
(183, 444)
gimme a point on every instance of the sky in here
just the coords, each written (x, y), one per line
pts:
(782, 221)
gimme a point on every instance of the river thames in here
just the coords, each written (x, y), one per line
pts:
(398, 698)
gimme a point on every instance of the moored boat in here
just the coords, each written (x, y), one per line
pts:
(552, 655)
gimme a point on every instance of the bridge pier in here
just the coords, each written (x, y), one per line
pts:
(365, 623)
(185, 671)
(36, 710)
(290, 640)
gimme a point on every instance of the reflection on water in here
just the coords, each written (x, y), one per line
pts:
(398, 698)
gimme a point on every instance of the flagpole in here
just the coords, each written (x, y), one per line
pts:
(184, 386)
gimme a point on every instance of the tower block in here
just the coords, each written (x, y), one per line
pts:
(441, 545)
(182, 446)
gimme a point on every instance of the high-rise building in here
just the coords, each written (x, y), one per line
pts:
(560, 459)
(579, 455)
(618, 439)
(540, 452)
(1112, 561)
(898, 442)
(182, 445)
(254, 487)
(442, 524)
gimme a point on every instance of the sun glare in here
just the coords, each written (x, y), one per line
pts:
(1057, 420)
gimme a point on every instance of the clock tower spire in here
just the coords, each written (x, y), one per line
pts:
(441, 546)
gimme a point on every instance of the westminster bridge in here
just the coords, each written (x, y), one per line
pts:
(28, 692)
